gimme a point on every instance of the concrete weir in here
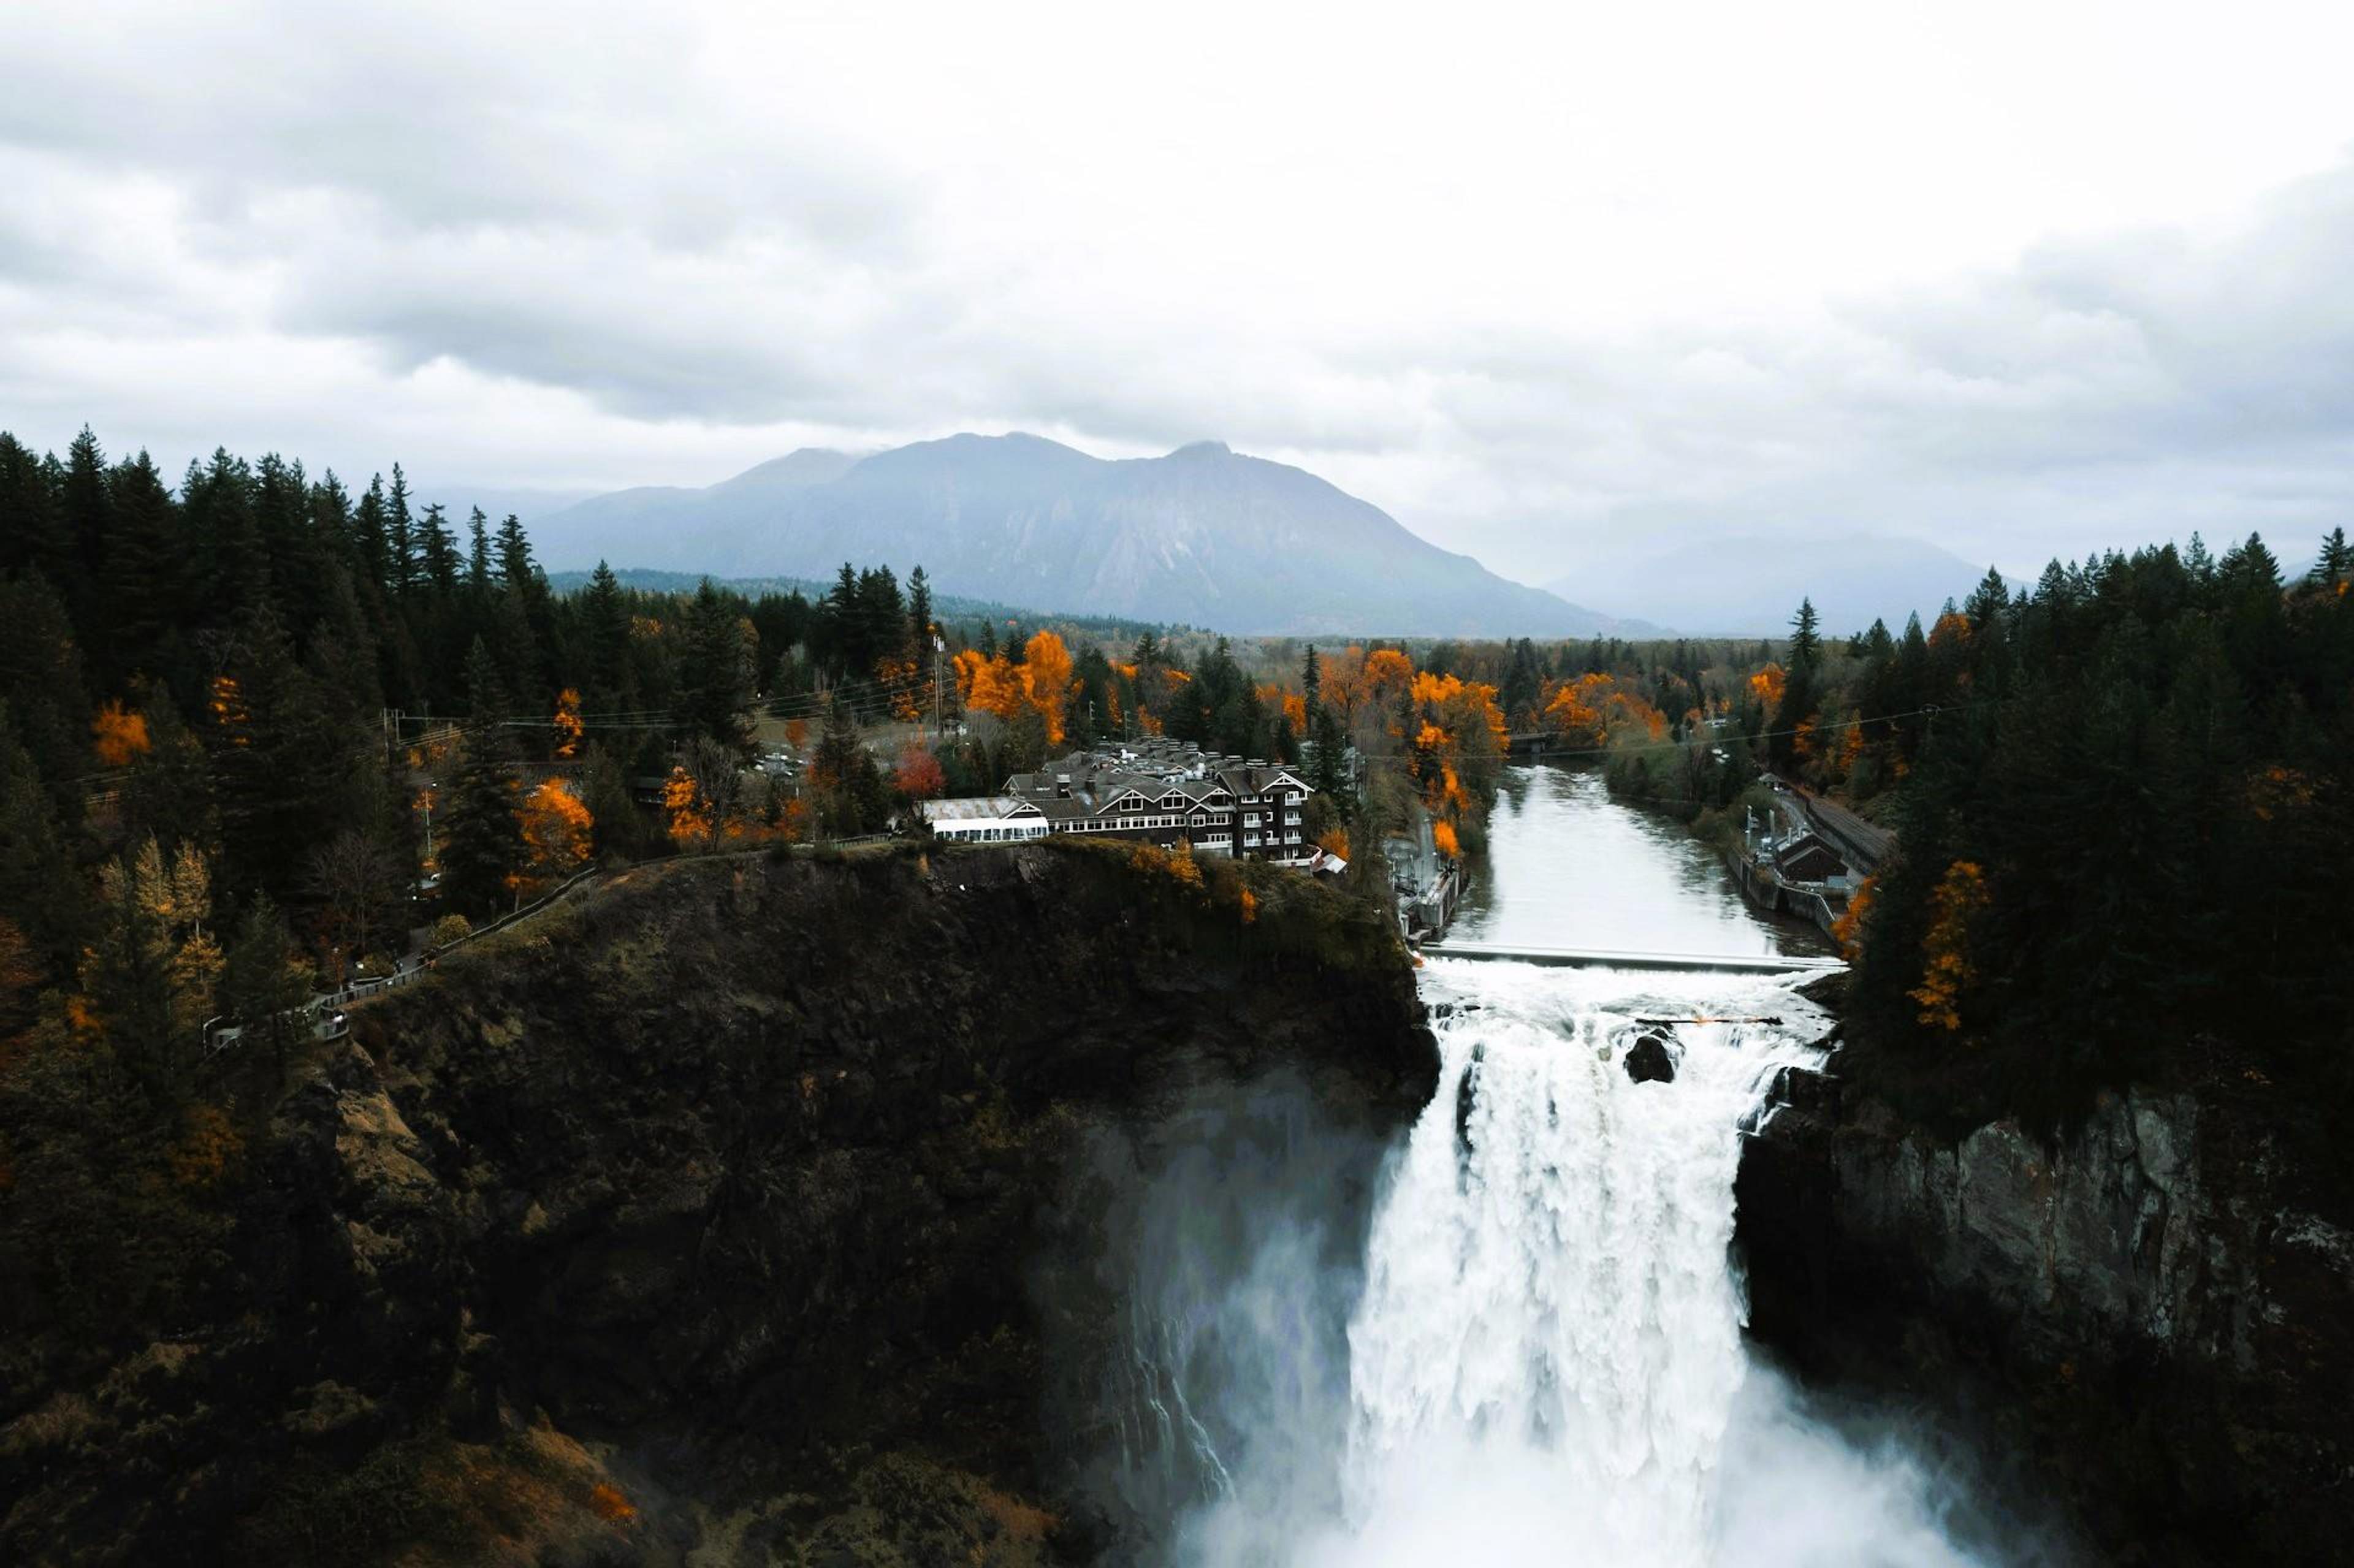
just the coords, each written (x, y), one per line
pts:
(1608, 959)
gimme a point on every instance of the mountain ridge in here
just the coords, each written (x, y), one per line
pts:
(1200, 535)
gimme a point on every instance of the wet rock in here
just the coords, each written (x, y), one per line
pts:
(2141, 1299)
(1650, 1060)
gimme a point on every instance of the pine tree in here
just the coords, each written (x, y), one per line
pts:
(478, 556)
(86, 511)
(218, 500)
(1806, 642)
(32, 538)
(605, 630)
(264, 981)
(483, 851)
(279, 763)
(850, 794)
(716, 671)
(371, 535)
(169, 795)
(401, 543)
(919, 613)
(144, 573)
(2336, 563)
(437, 549)
(39, 885)
(488, 701)
(515, 568)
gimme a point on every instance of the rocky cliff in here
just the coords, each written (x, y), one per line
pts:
(2146, 1316)
(688, 1222)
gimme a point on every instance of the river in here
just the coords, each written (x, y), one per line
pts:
(1513, 1335)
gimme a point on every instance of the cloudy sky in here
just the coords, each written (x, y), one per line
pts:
(2021, 278)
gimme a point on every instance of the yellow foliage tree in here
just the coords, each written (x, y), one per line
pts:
(1042, 681)
(684, 811)
(558, 831)
(1848, 930)
(1593, 710)
(567, 723)
(118, 735)
(1946, 968)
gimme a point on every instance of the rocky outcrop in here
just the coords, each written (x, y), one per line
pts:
(2141, 1320)
(692, 1217)
(1649, 1061)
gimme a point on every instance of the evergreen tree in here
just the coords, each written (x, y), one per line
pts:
(278, 761)
(846, 787)
(32, 537)
(143, 572)
(40, 888)
(89, 524)
(437, 550)
(1806, 640)
(372, 535)
(169, 795)
(515, 568)
(2336, 563)
(478, 556)
(218, 499)
(716, 669)
(919, 613)
(605, 635)
(488, 702)
(482, 852)
(402, 572)
(265, 980)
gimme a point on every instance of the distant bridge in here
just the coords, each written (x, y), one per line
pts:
(1611, 959)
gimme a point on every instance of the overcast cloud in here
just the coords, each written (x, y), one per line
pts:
(1536, 282)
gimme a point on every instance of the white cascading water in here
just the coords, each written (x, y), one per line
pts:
(1529, 1352)
(1549, 1344)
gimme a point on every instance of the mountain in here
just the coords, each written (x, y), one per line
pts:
(1201, 535)
(1747, 586)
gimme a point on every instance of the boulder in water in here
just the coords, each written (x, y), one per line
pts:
(1650, 1061)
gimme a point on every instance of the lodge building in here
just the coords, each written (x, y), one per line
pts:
(1156, 791)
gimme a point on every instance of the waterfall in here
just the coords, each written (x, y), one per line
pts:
(1551, 1329)
(1525, 1347)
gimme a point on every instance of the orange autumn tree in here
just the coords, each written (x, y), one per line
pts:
(1765, 688)
(1848, 930)
(557, 832)
(1041, 682)
(1947, 971)
(1273, 696)
(1456, 748)
(1594, 710)
(118, 735)
(1048, 682)
(899, 677)
(685, 814)
(567, 723)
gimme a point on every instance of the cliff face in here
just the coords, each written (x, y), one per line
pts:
(2143, 1319)
(691, 1218)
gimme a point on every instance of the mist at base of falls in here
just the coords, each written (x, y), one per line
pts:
(1513, 1335)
